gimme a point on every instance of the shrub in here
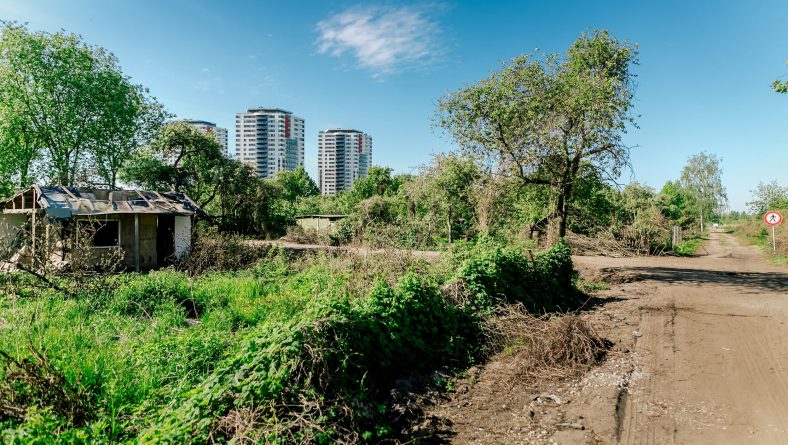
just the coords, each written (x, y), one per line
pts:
(303, 350)
(213, 252)
(489, 274)
(157, 291)
(320, 378)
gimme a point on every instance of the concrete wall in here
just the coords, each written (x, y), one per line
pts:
(183, 235)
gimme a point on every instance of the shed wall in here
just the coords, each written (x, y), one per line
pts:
(147, 227)
(183, 235)
(10, 225)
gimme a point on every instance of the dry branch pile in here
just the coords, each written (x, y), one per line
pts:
(598, 246)
(547, 347)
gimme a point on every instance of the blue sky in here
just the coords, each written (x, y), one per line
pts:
(703, 78)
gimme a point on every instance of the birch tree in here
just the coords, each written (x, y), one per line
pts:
(702, 178)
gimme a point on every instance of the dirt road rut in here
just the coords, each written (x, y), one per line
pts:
(712, 347)
(700, 357)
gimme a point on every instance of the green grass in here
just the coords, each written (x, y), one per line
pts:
(755, 234)
(590, 286)
(164, 357)
(688, 247)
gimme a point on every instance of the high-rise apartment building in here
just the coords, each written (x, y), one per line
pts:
(269, 140)
(209, 127)
(342, 157)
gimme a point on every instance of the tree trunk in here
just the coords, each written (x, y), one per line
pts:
(701, 220)
(448, 224)
(561, 210)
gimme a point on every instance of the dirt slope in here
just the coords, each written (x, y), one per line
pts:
(701, 356)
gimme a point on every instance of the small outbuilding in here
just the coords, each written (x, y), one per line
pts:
(318, 222)
(149, 229)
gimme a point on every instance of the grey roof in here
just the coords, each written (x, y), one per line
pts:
(322, 216)
(66, 202)
(268, 110)
(196, 121)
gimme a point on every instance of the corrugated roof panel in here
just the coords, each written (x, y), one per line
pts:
(59, 202)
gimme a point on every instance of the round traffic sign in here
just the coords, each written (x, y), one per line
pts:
(772, 218)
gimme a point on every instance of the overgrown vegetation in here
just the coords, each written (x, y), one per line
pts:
(751, 228)
(239, 342)
(291, 350)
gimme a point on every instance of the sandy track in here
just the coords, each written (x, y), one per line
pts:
(712, 347)
(713, 344)
(701, 356)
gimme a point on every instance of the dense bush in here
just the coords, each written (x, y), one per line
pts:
(288, 350)
(339, 360)
(490, 274)
(148, 294)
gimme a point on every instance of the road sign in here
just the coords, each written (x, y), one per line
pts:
(772, 218)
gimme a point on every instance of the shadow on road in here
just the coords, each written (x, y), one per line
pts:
(746, 282)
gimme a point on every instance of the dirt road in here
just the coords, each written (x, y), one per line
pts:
(701, 356)
(713, 345)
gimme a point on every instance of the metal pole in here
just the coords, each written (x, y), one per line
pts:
(774, 241)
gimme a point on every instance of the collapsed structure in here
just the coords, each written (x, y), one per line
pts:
(149, 229)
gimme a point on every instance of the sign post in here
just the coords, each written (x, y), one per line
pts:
(773, 218)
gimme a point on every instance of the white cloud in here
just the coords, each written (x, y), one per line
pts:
(380, 39)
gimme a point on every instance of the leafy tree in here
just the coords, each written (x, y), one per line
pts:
(541, 120)
(128, 129)
(639, 222)
(67, 102)
(379, 181)
(766, 196)
(593, 204)
(702, 178)
(677, 204)
(183, 159)
(445, 187)
(18, 148)
(250, 205)
(296, 184)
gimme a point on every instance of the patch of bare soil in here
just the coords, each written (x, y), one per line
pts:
(503, 403)
(698, 357)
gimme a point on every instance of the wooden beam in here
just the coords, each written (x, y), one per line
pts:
(137, 242)
(33, 218)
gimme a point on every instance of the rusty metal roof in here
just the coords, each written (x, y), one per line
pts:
(66, 202)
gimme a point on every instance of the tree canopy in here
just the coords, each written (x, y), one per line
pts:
(181, 158)
(541, 119)
(780, 86)
(67, 104)
(702, 178)
(768, 196)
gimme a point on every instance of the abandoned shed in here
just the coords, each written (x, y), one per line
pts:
(318, 222)
(148, 229)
